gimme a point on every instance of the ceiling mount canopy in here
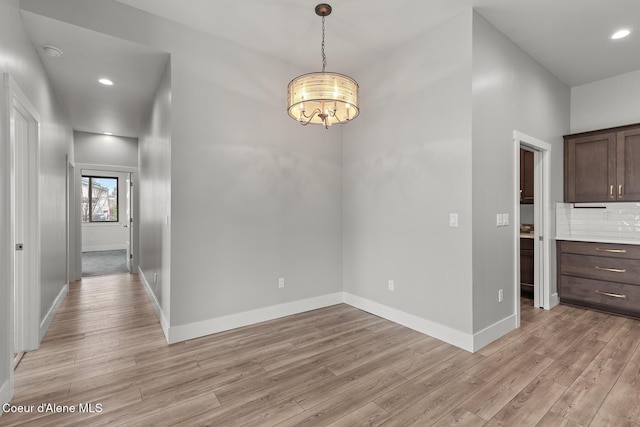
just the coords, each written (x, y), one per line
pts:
(323, 98)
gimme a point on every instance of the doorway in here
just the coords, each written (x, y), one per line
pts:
(106, 237)
(105, 215)
(537, 216)
(24, 221)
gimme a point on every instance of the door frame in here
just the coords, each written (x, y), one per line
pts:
(134, 243)
(542, 219)
(29, 310)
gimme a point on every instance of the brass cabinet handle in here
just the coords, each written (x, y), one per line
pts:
(609, 294)
(613, 270)
(613, 251)
(611, 196)
(620, 191)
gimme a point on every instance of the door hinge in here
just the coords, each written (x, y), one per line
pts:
(130, 256)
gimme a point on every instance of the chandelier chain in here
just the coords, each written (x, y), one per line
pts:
(324, 57)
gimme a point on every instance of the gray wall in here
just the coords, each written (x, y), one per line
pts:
(606, 103)
(510, 92)
(108, 150)
(18, 57)
(155, 194)
(407, 165)
(254, 195)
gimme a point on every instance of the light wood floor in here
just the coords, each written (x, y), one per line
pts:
(336, 366)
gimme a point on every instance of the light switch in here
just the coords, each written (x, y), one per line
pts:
(505, 219)
(499, 220)
(453, 220)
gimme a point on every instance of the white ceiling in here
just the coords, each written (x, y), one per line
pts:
(569, 37)
(88, 56)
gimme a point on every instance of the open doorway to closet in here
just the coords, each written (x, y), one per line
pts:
(532, 166)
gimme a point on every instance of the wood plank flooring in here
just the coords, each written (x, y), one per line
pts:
(337, 366)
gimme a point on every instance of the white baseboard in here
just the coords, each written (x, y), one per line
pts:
(98, 248)
(6, 393)
(44, 325)
(233, 321)
(436, 330)
(554, 300)
(493, 332)
(164, 324)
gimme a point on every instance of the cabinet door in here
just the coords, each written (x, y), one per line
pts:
(590, 168)
(628, 148)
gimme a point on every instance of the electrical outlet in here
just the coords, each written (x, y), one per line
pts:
(391, 285)
(500, 295)
(281, 282)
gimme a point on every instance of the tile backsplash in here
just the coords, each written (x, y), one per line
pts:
(618, 222)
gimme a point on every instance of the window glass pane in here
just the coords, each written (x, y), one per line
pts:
(99, 199)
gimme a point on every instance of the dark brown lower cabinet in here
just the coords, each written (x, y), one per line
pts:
(602, 276)
(526, 267)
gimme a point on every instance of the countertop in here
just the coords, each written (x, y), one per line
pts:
(599, 240)
(528, 235)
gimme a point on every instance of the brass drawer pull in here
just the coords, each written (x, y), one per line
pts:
(609, 294)
(611, 196)
(613, 251)
(620, 191)
(613, 270)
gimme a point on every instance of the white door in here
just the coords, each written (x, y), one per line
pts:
(24, 220)
(20, 229)
(129, 225)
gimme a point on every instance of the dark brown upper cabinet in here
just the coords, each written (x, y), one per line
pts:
(603, 166)
(526, 176)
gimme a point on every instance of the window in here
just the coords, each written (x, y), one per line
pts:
(99, 199)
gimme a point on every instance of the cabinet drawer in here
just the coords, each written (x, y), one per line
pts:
(601, 268)
(601, 249)
(599, 293)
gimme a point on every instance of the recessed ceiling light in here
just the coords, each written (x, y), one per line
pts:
(620, 34)
(106, 82)
(108, 133)
(52, 51)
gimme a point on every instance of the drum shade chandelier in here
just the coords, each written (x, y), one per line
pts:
(323, 98)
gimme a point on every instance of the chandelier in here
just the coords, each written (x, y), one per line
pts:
(323, 98)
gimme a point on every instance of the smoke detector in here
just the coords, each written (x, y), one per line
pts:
(52, 51)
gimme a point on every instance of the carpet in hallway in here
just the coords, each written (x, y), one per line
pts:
(101, 263)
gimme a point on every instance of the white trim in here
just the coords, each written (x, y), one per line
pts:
(554, 300)
(493, 332)
(543, 210)
(164, 324)
(44, 325)
(16, 99)
(435, 330)
(6, 393)
(237, 320)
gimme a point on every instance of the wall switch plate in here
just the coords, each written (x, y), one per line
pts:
(281, 282)
(391, 285)
(500, 295)
(453, 220)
